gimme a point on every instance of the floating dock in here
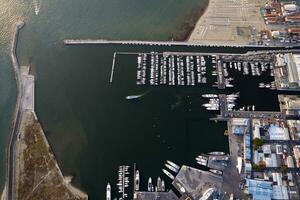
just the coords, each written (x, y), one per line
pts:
(112, 68)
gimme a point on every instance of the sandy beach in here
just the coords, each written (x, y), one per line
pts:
(233, 22)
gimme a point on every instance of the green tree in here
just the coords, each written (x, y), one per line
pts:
(257, 142)
(284, 169)
(256, 167)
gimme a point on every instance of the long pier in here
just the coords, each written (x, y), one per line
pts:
(141, 42)
(226, 114)
(165, 43)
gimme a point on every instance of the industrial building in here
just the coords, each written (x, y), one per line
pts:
(287, 73)
(289, 104)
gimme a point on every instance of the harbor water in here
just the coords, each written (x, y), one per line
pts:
(90, 125)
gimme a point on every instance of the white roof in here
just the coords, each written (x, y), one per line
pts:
(277, 177)
(275, 33)
(266, 148)
(256, 133)
(240, 121)
(239, 164)
(296, 58)
(280, 60)
(271, 161)
(277, 133)
(290, 162)
(280, 192)
(290, 7)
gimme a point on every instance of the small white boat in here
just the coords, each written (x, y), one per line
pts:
(173, 165)
(217, 153)
(108, 192)
(171, 168)
(218, 172)
(168, 174)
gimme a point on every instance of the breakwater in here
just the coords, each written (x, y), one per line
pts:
(17, 115)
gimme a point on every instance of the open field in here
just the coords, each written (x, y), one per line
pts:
(37, 173)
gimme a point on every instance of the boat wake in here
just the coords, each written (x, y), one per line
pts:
(137, 96)
(37, 6)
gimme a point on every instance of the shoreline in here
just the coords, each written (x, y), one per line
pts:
(14, 62)
(56, 184)
(225, 24)
(188, 26)
(24, 103)
(206, 9)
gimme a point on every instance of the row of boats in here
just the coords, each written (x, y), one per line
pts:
(172, 167)
(123, 182)
(160, 185)
(171, 69)
(248, 108)
(270, 86)
(214, 101)
(248, 68)
(213, 156)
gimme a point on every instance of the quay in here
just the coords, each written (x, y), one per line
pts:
(195, 182)
(170, 195)
(226, 114)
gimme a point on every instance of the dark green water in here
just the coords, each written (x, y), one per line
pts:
(91, 127)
